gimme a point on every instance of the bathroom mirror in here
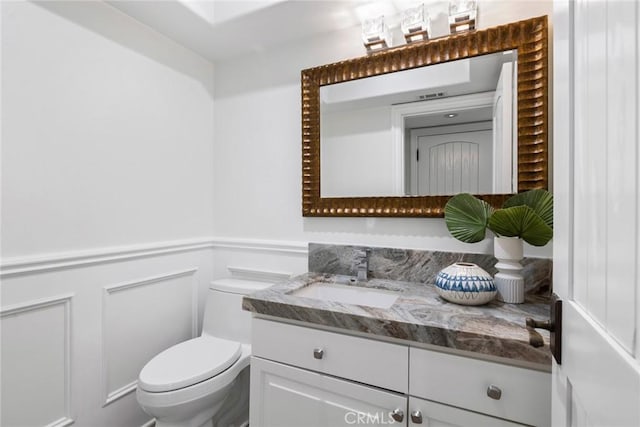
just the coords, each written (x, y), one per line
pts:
(375, 129)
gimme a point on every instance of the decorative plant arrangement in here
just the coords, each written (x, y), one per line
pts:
(525, 217)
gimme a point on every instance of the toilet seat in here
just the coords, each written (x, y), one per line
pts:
(170, 399)
(188, 363)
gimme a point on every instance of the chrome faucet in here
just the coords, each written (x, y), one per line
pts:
(361, 263)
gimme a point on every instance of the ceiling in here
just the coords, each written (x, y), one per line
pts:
(219, 29)
(465, 76)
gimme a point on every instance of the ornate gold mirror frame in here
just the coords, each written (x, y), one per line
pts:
(529, 37)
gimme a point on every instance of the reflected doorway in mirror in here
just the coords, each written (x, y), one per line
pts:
(450, 162)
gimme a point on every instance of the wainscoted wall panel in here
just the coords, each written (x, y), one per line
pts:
(121, 306)
(131, 310)
(125, 309)
(36, 362)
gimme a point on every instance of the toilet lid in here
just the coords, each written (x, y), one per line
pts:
(188, 363)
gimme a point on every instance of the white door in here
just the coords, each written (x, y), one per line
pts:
(451, 163)
(503, 132)
(597, 213)
(284, 396)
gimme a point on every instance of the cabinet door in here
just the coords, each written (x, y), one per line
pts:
(284, 396)
(431, 414)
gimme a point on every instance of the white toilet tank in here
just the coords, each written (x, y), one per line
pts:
(223, 313)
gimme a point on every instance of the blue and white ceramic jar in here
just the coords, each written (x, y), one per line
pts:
(465, 283)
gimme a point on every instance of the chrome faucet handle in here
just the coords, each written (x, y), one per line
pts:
(362, 253)
(361, 263)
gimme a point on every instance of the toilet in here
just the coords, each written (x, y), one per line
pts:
(205, 381)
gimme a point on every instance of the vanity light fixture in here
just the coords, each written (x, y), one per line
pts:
(462, 15)
(415, 24)
(375, 34)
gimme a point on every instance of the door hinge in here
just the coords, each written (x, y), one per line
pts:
(417, 155)
(553, 325)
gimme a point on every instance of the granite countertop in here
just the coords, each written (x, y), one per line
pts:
(419, 315)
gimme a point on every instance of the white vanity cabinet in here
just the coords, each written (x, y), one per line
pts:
(306, 377)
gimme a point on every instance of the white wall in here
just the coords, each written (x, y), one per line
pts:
(257, 158)
(107, 131)
(107, 208)
(357, 148)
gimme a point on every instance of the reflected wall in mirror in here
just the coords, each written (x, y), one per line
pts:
(397, 132)
(437, 130)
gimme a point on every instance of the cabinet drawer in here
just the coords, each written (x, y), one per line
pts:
(372, 362)
(525, 394)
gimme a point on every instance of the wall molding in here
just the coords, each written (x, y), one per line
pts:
(114, 395)
(58, 261)
(150, 423)
(260, 275)
(39, 304)
(33, 264)
(118, 287)
(62, 422)
(282, 246)
(111, 396)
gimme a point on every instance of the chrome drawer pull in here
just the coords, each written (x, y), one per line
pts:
(494, 392)
(397, 415)
(318, 353)
(416, 417)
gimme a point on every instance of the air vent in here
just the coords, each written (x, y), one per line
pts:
(431, 96)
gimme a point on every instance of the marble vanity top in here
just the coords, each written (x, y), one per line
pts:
(419, 315)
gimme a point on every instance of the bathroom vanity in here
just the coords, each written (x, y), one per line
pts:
(413, 360)
(303, 376)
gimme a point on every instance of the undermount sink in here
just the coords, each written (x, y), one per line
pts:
(356, 295)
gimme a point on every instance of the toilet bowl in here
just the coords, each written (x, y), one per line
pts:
(205, 381)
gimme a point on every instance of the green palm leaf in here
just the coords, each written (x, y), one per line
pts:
(541, 201)
(467, 217)
(523, 222)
